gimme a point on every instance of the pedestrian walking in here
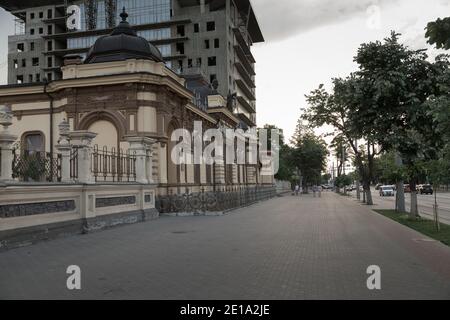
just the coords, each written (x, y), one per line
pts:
(297, 189)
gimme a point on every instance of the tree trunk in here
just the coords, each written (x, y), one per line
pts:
(358, 193)
(400, 198)
(369, 201)
(414, 211)
(400, 194)
(436, 211)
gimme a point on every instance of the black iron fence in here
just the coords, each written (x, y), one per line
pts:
(112, 165)
(213, 201)
(36, 166)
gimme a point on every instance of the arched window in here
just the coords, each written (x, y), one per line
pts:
(33, 142)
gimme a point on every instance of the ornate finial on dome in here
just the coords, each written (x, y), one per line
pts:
(124, 15)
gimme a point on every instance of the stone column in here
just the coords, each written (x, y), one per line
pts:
(64, 149)
(142, 147)
(82, 141)
(251, 174)
(6, 141)
(220, 172)
(234, 173)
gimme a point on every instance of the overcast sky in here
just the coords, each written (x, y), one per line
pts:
(308, 42)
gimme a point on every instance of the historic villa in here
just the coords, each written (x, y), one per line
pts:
(93, 149)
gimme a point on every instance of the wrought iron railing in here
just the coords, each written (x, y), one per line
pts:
(36, 166)
(112, 165)
(213, 201)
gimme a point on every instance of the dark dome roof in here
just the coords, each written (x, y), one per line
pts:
(123, 43)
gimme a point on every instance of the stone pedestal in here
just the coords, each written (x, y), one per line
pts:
(219, 172)
(64, 150)
(82, 141)
(6, 142)
(251, 174)
(234, 173)
(142, 148)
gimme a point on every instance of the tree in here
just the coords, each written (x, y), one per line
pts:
(343, 181)
(286, 169)
(335, 110)
(438, 33)
(326, 178)
(340, 148)
(301, 130)
(309, 156)
(390, 103)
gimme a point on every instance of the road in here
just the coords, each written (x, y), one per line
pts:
(286, 248)
(425, 204)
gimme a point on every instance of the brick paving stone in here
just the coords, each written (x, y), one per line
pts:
(286, 248)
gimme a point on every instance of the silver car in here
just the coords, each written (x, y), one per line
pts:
(386, 191)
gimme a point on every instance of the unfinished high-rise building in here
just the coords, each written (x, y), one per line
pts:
(211, 38)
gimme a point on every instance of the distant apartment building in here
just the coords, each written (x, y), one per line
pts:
(212, 38)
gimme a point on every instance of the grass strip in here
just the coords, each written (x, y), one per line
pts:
(424, 226)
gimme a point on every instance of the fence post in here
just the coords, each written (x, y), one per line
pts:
(82, 140)
(6, 141)
(64, 149)
(140, 145)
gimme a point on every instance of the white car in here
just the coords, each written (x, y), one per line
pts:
(386, 191)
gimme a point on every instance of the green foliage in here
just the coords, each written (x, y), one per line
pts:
(309, 156)
(286, 170)
(343, 181)
(396, 100)
(325, 178)
(438, 33)
(387, 171)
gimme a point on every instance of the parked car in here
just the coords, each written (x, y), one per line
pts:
(425, 189)
(386, 191)
(377, 186)
(406, 188)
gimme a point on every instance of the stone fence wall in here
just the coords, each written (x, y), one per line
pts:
(29, 213)
(283, 186)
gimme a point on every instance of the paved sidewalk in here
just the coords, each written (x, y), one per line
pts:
(285, 248)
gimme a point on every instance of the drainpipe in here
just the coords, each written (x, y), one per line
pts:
(51, 118)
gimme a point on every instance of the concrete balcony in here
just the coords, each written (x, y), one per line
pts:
(249, 122)
(250, 93)
(245, 75)
(245, 58)
(241, 39)
(249, 106)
